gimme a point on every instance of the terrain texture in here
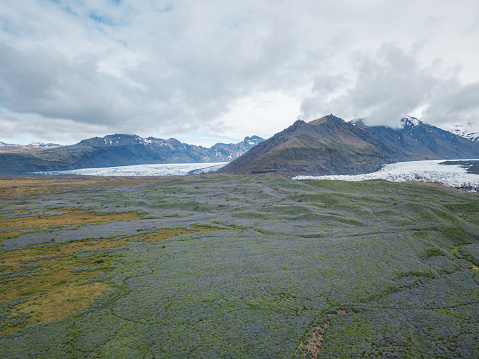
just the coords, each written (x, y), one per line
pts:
(332, 146)
(219, 266)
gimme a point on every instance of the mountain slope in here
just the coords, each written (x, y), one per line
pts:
(116, 150)
(330, 145)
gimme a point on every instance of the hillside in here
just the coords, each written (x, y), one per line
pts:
(330, 145)
(116, 150)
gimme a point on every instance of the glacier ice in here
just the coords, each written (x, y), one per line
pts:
(169, 169)
(423, 171)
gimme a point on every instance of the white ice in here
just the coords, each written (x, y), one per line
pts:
(170, 169)
(424, 171)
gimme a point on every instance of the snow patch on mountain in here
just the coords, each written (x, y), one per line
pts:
(42, 144)
(460, 130)
(410, 121)
(33, 144)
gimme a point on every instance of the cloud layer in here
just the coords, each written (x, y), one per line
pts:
(74, 69)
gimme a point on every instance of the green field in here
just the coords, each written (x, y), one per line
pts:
(237, 267)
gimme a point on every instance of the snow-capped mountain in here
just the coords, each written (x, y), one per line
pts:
(42, 144)
(460, 130)
(117, 150)
(410, 121)
(33, 144)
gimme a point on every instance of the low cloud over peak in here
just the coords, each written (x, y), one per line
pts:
(390, 83)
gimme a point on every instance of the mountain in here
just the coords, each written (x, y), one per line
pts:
(459, 130)
(33, 144)
(116, 150)
(42, 144)
(330, 145)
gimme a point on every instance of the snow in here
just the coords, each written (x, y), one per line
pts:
(423, 171)
(170, 169)
(459, 130)
(474, 136)
(410, 121)
(41, 144)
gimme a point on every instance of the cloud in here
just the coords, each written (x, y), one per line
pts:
(390, 83)
(46, 129)
(454, 103)
(179, 70)
(43, 81)
(169, 67)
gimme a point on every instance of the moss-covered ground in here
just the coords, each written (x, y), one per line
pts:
(237, 267)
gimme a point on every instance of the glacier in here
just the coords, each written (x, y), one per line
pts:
(432, 171)
(169, 169)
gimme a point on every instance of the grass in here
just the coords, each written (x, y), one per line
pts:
(59, 268)
(237, 267)
(72, 218)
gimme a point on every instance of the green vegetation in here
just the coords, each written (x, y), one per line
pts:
(238, 267)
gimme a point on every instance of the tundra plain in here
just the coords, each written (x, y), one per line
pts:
(218, 266)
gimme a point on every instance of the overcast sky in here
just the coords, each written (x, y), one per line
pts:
(206, 71)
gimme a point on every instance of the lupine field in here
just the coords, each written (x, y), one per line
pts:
(237, 267)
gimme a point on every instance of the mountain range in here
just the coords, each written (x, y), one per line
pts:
(330, 145)
(115, 150)
(33, 144)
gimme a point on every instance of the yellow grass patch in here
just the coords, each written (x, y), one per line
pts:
(58, 304)
(25, 187)
(76, 218)
(8, 235)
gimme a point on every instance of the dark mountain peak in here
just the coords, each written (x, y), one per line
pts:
(328, 119)
(113, 140)
(296, 125)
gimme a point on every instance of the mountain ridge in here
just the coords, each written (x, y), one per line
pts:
(330, 145)
(116, 150)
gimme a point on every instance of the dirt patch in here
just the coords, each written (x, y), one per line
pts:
(316, 340)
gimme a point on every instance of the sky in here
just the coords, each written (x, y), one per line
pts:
(210, 71)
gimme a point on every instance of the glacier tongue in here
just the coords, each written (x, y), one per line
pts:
(170, 169)
(422, 171)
